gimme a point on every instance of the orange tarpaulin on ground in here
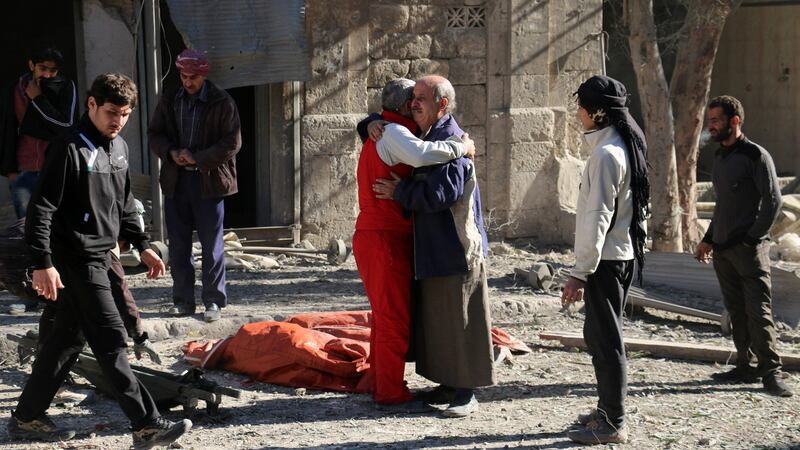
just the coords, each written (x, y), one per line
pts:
(326, 351)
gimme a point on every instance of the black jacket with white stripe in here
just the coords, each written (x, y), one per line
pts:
(83, 203)
(48, 116)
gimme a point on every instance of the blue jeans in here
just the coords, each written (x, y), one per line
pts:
(21, 191)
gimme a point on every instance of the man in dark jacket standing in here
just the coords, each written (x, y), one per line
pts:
(77, 213)
(40, 106)
(748, 201)
(196, 133)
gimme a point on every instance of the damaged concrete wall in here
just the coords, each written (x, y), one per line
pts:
(514, 65)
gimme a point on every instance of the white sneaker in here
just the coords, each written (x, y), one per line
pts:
(212, 313)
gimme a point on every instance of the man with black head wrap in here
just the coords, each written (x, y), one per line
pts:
(609, 235)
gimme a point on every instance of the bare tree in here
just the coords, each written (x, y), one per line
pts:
(664, 225)
(673, 116)
(689, 88)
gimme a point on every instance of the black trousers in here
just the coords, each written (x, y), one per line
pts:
(86, 314)
(744, 277)
(604, 296)
(126, 305)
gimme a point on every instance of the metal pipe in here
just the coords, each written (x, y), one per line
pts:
(297, 163)
(153, 89)
(602, 39)
(286, 250)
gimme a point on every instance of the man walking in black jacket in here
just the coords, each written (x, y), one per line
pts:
(748, 200)
(76, 215)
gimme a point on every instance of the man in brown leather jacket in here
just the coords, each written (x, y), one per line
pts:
(196, 133)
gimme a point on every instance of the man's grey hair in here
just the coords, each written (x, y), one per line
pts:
(445, 90)
(396, 93)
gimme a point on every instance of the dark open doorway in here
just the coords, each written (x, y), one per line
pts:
(240, 208)
(23, 28)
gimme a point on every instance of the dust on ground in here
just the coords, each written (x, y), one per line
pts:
(671, 403)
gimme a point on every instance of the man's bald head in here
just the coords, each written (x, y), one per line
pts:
(434, 97)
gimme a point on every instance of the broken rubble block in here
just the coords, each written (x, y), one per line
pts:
(540, 275)
(130, 258)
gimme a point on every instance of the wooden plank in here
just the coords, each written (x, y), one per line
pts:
(791, 202)
(679, 350)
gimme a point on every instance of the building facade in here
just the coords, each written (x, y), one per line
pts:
(514, 65)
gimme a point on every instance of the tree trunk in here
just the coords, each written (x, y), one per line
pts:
(665, 225)
(689, 88)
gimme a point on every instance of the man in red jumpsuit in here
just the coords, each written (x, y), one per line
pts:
(383, 241)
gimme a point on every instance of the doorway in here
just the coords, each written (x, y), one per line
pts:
(240, 208)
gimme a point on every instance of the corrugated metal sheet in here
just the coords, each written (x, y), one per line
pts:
(249, 42)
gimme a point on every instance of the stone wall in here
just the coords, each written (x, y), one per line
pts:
(514, 64)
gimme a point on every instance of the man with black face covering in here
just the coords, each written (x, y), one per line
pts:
(609, 236)
(748, 200)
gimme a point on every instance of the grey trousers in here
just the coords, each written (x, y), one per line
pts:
(452, 330)
(744, 278)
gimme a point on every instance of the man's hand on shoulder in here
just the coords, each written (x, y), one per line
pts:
(375, 129)
(47, 282)
(155, 266)
(470, 146)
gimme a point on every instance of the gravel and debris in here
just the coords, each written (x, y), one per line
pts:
(672, 404)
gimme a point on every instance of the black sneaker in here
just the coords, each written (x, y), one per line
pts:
(41, 429)
(775, 385)
(736, 375)
(599, 432)
(584, 419)
(440, 395)
(161, 432)
(415, 406)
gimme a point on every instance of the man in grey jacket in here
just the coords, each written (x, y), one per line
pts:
(748, 200)
(609, 237)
